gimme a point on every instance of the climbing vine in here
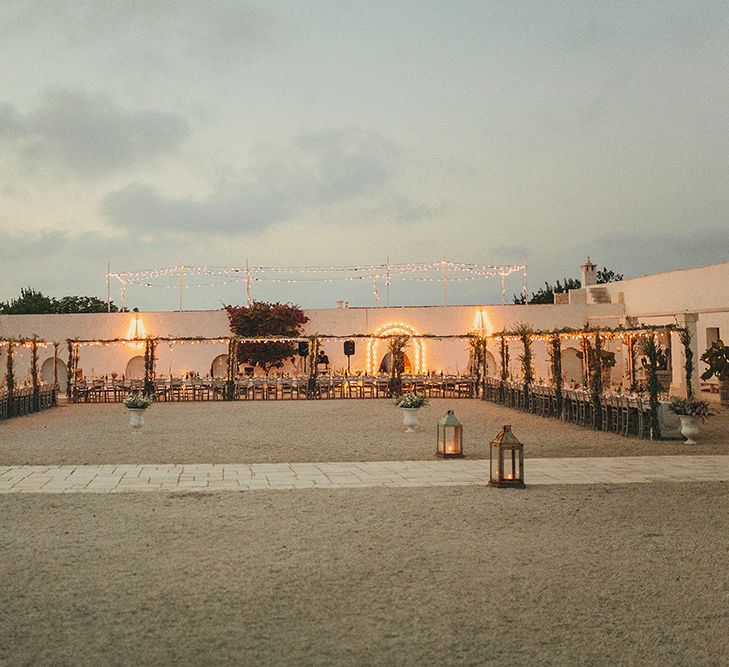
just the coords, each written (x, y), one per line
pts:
(71, 368)
(231, 368)
(396, 346)
(34, 372)
(479, 363)
(150, 363)
(312, 385)
(555, 358)
(651, 350)
(524, 332)
(10, 377)
(595, 369)
(685, 338)
(504, 352)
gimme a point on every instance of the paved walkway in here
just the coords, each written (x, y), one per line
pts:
(276, 476)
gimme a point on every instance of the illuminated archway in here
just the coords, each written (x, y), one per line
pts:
(395, 329)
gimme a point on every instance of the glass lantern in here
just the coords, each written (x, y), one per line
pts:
(449, 441)
(506, 459)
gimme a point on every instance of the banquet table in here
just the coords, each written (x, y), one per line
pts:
(102, 390)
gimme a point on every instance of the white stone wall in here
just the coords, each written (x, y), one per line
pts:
(449, 356)
(665, 298)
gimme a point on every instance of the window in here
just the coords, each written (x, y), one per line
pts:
(712, 335)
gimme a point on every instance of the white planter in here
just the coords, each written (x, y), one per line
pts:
(689, 428)
(410, 419)
(136, 417)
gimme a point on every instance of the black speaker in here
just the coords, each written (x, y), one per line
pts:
(303, 348)
(349, 348)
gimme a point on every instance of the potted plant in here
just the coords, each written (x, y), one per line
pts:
(410, 404)
(137, 404)
(691, 412)
(716, 359)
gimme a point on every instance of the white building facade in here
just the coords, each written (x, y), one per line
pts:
(697, 299)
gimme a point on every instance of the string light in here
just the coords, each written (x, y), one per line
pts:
(396, 329)
(464, 272)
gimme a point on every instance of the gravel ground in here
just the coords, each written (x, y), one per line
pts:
(590, 575)
(303, 431)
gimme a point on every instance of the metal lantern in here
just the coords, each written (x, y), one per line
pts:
(507, 460)
(449, 441)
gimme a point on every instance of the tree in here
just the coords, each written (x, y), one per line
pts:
(606, 275)
(262, 319)
(83, 304)
(546, 294)
(32, 302)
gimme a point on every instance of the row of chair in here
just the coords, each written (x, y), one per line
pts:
(272, 389)
(25, 401)
(622, 415)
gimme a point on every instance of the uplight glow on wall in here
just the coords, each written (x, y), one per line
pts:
(481, 323)
(136, 329)
(395, 329)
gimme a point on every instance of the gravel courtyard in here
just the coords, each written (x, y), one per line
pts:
(589, 575)
(303, 431)
(582, 574)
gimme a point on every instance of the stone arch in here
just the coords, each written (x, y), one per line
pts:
(135, 368)
(46, 373)
(572, 366)
(491, 365)
(219, 367)
(386, 364)
(374, 345)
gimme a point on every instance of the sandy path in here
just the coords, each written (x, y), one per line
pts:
(581, 575)
(300, 431)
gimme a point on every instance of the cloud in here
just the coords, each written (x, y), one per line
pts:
(169, 36)
(315, 171)
(664, 250)
(88, 136)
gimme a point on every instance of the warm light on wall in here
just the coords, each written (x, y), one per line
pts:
(481, 323)
(396, 329)
(136, 329)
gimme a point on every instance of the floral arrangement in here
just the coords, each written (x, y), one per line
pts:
(690, 407)
(716, 358)
(138, 401)
(411, 401)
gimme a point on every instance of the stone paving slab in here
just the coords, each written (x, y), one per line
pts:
(205, 477)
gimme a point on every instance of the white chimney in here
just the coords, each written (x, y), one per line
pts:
(589, 274)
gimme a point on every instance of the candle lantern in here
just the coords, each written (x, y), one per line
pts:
(506, 459)
(449, 441)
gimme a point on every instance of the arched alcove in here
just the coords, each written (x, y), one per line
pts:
(135, 368)
(219, 367)
(46, 373)
(572, 366)
(415, 349)
(493, 368)
(386, 364)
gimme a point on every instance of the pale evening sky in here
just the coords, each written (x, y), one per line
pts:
(148, 133)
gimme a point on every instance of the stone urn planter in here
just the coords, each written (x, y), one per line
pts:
(690, 427)
(410, 419)
(137, 405)
(136, 417)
